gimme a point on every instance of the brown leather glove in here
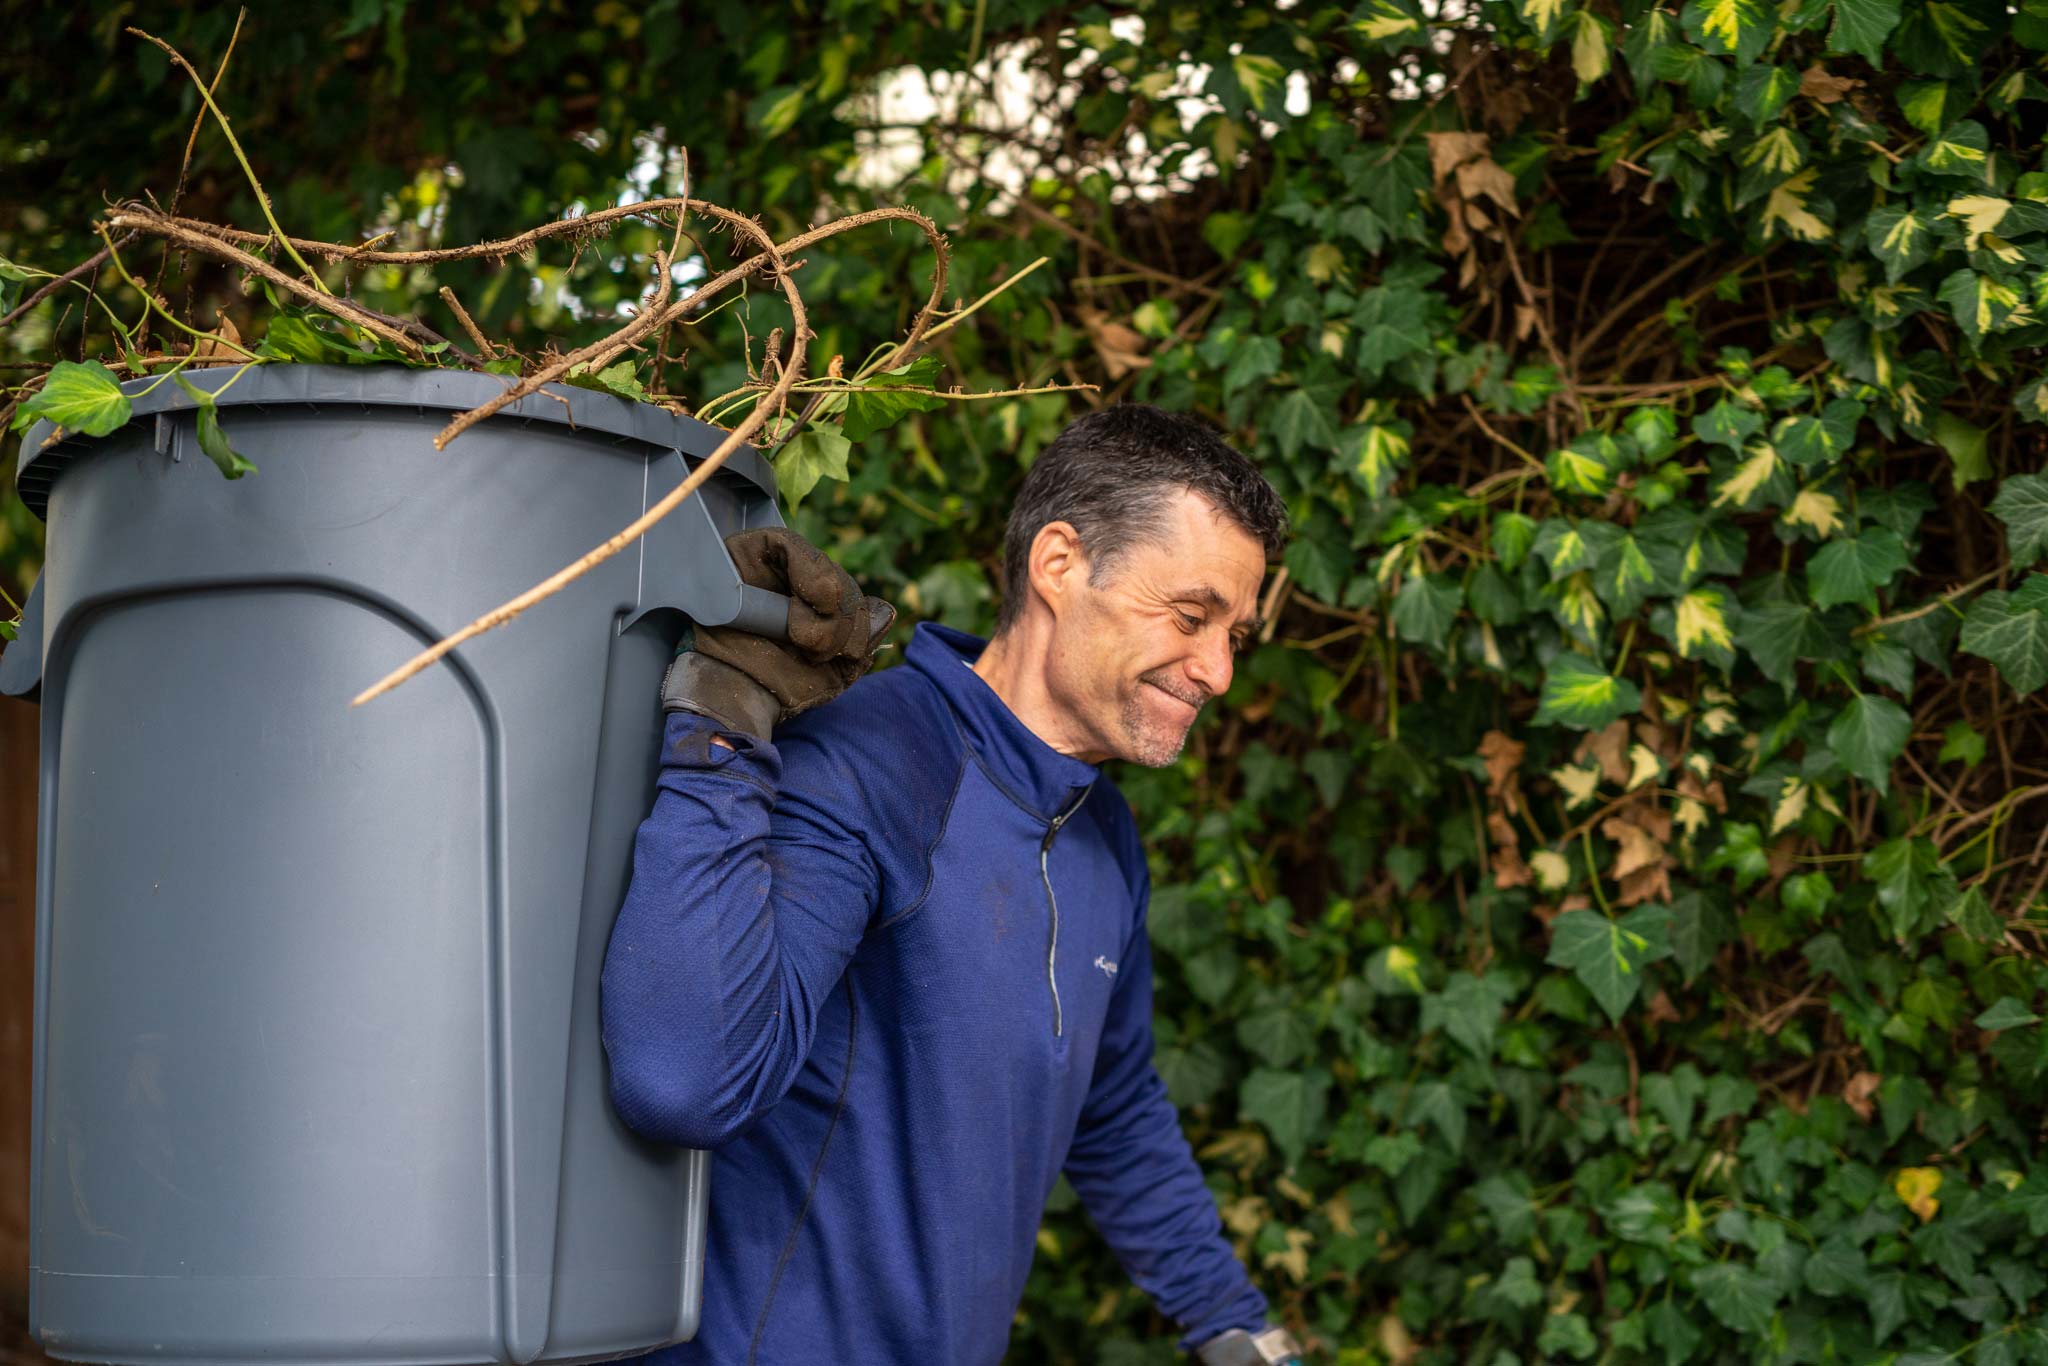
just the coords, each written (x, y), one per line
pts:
(748, 682)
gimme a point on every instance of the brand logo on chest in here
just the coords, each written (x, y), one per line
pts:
(1108, 968)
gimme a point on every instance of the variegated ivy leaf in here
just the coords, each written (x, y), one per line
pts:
(1393, 22)
(1687, 545)
(1775, 155)
(1790, 211)
(1818, 512)
(1946, 37)
(1624, 576)
(1592, 47)
(1698, 624)
(1579, 693)
(2032, 401)
(1577, 607)
(1586, 466)
(1513, 535)
(1649, 35)
(1543, 16)
(1817, 439)
(1375, 453)
(1763, 90)
(1727, 423)
(1928, 105)
(2006, 95)
(1608, 956)
(1580, 783)
(1759, 479)
(1900, 238)
(1982, 304)
(1566, 547)
(1861, 26)
(1980, 214)
(1728, 28)
(1959, 150)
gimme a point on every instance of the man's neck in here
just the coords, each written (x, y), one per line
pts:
(1013, 666)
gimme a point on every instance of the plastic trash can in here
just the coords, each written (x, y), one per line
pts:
(317, 1067)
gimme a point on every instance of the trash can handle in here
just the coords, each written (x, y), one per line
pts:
(685, 567)
(21, 664)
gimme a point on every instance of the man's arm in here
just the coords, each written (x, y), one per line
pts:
(748, 894)
(746, 903)
(1133, 1170)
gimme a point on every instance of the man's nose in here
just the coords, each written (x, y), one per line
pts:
(1211, 664)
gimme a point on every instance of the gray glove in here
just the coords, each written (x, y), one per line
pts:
(747, 682)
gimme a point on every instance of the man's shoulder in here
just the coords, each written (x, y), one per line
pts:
(1112, 811)
(888, 744)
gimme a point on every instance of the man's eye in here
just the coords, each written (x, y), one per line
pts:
(1188, 623)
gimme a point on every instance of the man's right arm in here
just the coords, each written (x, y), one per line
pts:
(746, 903)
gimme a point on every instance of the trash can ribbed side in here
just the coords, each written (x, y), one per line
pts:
(318, 1075)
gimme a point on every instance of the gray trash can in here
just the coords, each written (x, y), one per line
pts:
(317, 1069)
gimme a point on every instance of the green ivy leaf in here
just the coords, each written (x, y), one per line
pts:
(1426, 608)
(1193, 1073)
(1965, 443)
(1279, 1035)
(1291, 1105)
(1737, 1296)
(1861, 26)
(2022, 504)
(812, 454)
(2011, 630)
(212, 439)
(1868, 735)
(2006, 1013)
(1302, 419)
(1608, 956)
(1579, 693)
(82, 397)
(1699, 927)
(1469, 1010)
(1851, 568)
(1779, 634)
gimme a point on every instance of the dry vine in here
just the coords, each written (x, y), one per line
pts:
(659, 312)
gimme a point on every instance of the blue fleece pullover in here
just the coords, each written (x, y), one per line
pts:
(892, 968)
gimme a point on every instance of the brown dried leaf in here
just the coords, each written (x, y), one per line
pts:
(1639, 848)
(1503, 756)
(1817, 83)
(1610, 747)
(1451, 149)
(1121, 348)
(1485, 178)
(1858, 1090)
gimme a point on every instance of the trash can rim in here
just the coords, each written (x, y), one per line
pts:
(393, 386)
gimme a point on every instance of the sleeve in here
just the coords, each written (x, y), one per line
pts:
(748, 898)
(1137, 1178)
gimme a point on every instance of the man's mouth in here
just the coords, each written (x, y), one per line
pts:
(1191, 699)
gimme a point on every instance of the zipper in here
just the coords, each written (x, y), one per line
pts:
(1052, 947)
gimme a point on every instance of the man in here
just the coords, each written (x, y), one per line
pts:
(891, 963)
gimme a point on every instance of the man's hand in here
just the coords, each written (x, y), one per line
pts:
(748, 682)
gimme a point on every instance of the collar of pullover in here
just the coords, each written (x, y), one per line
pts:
(1036, 776)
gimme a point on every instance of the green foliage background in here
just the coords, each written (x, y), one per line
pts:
(1605, 919)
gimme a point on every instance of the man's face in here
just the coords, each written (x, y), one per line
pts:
(1141, 647)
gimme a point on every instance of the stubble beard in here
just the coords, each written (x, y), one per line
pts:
(1144, 741)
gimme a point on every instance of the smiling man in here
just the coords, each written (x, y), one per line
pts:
(885, 951)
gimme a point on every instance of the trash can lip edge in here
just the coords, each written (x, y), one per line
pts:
(394, 386)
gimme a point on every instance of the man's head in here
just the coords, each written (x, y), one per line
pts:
(1131, 568)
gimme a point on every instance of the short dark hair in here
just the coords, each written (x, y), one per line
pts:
(1111, 474)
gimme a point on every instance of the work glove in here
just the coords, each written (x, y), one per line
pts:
(1273, 1346)
(748, 682)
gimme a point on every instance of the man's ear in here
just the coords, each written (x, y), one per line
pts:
(1058, 564)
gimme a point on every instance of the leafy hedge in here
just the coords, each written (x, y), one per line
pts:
(1605, 919)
